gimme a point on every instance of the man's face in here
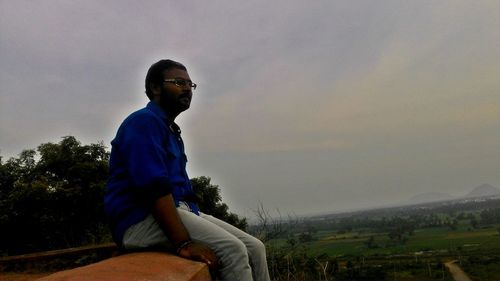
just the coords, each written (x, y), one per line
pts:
(171, 96)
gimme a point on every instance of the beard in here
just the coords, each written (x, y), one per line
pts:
(174, 103)
(184, 100)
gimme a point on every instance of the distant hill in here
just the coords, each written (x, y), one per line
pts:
(483, 190)
(428, 197)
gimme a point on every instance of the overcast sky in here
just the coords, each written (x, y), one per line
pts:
(303, 106)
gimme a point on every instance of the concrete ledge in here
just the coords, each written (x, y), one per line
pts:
(143, 266)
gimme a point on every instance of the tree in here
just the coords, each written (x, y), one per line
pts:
(305, 237)
(397, 235)
(210, 202)
(490, 216)
(55, 201)
(474, 223)
(370, 243)
(454, 224)
(52, 198)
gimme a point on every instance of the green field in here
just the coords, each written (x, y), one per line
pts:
(437, 240)
(420, 256)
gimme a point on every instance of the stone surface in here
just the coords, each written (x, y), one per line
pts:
(143, 266)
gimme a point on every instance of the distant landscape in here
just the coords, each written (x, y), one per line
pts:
(416, 241)
(484, 190)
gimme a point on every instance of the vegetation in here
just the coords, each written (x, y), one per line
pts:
(482, 267)
(410, 243)
(52, 198)
(210, 202)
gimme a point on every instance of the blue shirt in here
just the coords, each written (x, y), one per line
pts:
(147, 162)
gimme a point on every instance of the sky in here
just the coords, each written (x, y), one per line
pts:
(302, 107)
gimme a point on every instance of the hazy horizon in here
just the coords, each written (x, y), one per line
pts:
(301, 107)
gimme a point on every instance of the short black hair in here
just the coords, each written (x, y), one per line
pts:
(155, 73)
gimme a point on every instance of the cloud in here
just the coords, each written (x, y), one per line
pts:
(324, 100)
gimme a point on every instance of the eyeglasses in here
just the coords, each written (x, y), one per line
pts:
(181, 83)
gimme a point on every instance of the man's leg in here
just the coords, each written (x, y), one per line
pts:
(256, 249)
(231, 252)
(144, 234)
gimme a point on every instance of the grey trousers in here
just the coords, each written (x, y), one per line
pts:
(241, 256)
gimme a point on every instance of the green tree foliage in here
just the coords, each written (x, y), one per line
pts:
(370, 242)
(474, 223)
(210, 202)
(52, 197)
(490, 216)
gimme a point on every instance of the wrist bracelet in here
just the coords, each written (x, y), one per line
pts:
(182, 245)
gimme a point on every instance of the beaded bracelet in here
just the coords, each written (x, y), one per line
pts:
(182, 245)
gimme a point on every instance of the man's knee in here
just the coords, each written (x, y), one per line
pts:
(234, 251)
(257, 248)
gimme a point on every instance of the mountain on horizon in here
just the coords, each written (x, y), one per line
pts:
(484, 190)
(428, 197)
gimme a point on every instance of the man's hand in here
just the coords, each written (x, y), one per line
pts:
(165, 213)
(200, 252)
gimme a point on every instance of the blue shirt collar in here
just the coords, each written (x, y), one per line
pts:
(156, 109)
